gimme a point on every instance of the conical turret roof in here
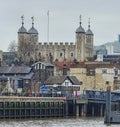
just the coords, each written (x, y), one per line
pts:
(89, 32)
(80, 29)
(32, 30)
(22, 29)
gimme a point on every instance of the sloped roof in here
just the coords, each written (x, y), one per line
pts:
(60, 79)
(14, 69)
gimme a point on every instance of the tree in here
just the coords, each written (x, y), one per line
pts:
(27, 50)
(12, 46)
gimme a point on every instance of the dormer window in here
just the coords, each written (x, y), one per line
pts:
(104, 71)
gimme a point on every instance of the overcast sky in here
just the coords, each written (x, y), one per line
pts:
(64, 19)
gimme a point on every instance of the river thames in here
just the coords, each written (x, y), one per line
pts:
(67, 122)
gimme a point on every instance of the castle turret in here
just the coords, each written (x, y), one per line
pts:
(89, 42)
(22, 37)
(22, 32)
(33, 33)
(80, 43)
(22, 29)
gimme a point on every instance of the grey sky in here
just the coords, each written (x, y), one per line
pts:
(64, 19)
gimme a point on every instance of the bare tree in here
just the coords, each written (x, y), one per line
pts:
(27, 50)
(12, 46)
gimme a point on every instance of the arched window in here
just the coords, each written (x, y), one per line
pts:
(71, 54)
(61, 54)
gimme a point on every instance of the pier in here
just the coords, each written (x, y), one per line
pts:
(92, 103)
(32, 107)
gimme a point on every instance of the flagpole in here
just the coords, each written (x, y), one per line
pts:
(48, 28)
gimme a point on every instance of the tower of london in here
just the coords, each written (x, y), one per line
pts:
(29, 46)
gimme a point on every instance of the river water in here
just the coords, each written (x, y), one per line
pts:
(67, 122)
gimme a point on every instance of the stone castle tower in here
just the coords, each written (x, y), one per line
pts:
(27, 41)
(30, 48)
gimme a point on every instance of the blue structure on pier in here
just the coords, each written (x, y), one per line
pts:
(101, 95)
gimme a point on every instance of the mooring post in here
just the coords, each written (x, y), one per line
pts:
(101, 110)
(108, 105)
(77, 110)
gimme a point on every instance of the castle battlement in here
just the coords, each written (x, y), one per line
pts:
(66, 43)
(56, 43)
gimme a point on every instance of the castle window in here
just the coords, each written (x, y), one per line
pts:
(50, 54)
(61, 54)
(71, 54)
(39, 54)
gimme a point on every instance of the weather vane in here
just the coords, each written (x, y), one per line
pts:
(22, 17)
(89, 23)
(32, 20)
(80, 19)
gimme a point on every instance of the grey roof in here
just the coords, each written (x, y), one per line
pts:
(60, 79)
(17, 77)
(28, 76)
(32, 30)
(22, 30)
(89, 32)
(80, 29)
(14, 69)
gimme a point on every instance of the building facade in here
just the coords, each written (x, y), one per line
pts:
(94, 75)
(30, 48)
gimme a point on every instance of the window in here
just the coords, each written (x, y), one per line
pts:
(90, 72)
(39, 54)
(71, 54)
(61, 54)
(107, 82)
(50, 54)
(104, 71)
(66, 83)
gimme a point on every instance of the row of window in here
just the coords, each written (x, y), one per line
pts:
(61, 54)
